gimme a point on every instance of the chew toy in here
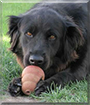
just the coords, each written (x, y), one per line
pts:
(30, 77)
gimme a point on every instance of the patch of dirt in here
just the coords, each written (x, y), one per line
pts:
(20, 99)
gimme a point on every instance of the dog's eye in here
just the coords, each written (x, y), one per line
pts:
(52, 37)
(29, 34)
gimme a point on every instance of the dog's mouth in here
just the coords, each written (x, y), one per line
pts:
(43, 63)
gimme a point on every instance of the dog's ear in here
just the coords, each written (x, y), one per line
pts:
(73, 40)
(14, 23)
(74, 35)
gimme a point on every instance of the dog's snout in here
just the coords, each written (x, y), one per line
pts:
(36, 59)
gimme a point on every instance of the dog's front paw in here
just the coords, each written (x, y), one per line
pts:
(42, 86)
(14, 87)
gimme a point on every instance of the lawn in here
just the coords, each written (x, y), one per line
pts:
(77, 92)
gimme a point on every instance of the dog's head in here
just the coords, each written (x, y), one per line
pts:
(42, 35)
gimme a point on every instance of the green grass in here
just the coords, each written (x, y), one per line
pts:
(77, 92)
(74, 93)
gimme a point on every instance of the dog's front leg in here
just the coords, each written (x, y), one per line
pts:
(58, 79)
(14, 87)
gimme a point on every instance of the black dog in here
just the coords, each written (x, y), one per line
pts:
(54, 37)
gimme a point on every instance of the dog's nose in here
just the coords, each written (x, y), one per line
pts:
(36, 59)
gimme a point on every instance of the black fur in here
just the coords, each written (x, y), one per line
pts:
(58, 43)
